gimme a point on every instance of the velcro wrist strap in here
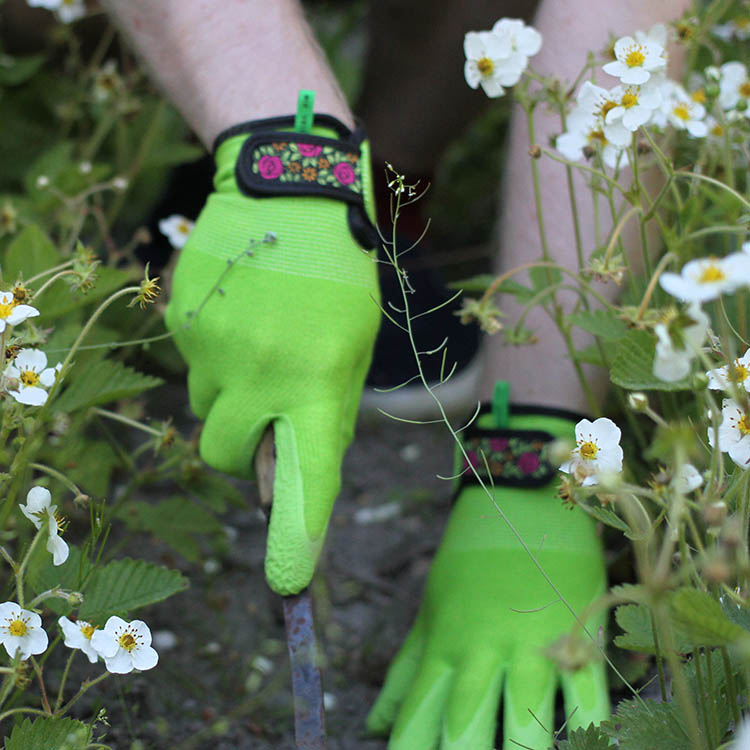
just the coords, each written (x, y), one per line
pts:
(288, 163)
(511, 457)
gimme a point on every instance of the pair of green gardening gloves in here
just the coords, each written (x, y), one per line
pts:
(274, 307)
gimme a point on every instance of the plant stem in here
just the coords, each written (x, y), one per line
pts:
(84, 687)
(659, 664)
(64, 677)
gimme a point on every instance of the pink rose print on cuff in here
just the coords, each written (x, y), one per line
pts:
(344, 173)
(307, 149)
(270, 167)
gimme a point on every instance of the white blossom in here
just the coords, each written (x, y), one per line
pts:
(737, 373)
(40, 511)
(21, 631)
(11, 313)
(676, 349)
(78, 635)
(525, 41)
(708, 278)
(125, 646)
(733, 433)
(491, 62)
(30, 370)
(636, 60)
(597, 451)
(66, 10)
(177, 229)
(734, 86)
(634, 105)
(686, 479)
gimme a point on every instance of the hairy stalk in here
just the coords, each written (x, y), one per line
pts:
(86, 685)
(63, 679)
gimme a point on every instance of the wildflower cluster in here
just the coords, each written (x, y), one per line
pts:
(496, 59)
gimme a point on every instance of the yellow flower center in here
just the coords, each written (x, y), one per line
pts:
(6, 308)
(588, 450)
(710, 274)
(88, 631)
(607, 106)
(743, 425)
(127, 641)
(597, 136)
(183, 227)
(744, 89)
(18, 628)
(29, 377)
(486, 66)
(717, 130)
(629, 99)
(682, 112)
(699, 96)
(635, 57)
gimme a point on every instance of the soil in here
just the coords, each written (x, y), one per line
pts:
(225, 681)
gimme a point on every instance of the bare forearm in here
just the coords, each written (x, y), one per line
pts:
(227, 62)
(543, 373)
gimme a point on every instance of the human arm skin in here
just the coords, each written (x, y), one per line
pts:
(229, 62)
(542, 374)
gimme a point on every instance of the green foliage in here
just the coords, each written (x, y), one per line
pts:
(601, 323)
(636, 621)
(703, 620)
(638, 725)
(49, 734)
(633, 366)
(105, 381)
(590, 738)
(181, 523)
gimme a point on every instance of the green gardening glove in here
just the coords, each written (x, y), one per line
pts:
(488, 616)
(281, 331)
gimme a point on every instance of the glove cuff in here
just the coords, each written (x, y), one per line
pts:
(513, 456)
(274, 160)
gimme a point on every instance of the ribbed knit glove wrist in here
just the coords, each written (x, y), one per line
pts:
(281, 332)
(488, 615)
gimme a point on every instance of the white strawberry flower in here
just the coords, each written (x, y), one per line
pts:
(597, 451)
(686, 479)
(636, 60)
(525, 40)
(66, 10)
(676, 349)
(737, 373)
(634, 105)
(707, 278)
(733, 433)
(21, 631)
(40, 511)
(78, 635)
(33, 377)
(734, 85)
(491, 62)
(125, 646)
(11, 313)
(177, 229)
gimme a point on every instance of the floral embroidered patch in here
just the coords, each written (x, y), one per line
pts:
(513, 457)
(286, 162)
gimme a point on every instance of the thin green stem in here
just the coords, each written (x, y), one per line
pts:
(22, 567)
(126, 420)
(63, 679)
(86, 685)
(74, 488)
(659, 664)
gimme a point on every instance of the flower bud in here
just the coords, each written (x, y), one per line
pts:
(717, 570)
(700, 381)
(715, 514)
(535, 152)
(638, 401)
(74, 598)
(42, 181)
(712, 73)
(120, 183)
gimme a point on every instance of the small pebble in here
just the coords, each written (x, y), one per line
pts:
(410, 453)
(383, 512)
(163, 640)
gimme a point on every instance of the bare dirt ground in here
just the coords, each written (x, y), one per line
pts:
(225, 681)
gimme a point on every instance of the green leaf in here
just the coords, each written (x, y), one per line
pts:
(214, 490)
(17, 70)
(124, 585)
(739, 614)
(544, 277)
(717, 692)
(607, 517)
(591, 738)
(49, 734)
(105, 381)
(177, 521)
(42, 575)
(593, 354)
(635, 620)
(703, 620)
(633, 366)
(638, 726)
(601, 323)
(30, 253)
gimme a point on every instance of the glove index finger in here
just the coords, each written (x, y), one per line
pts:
(309, 450)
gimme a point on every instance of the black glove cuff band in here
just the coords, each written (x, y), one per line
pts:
(511, 457)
